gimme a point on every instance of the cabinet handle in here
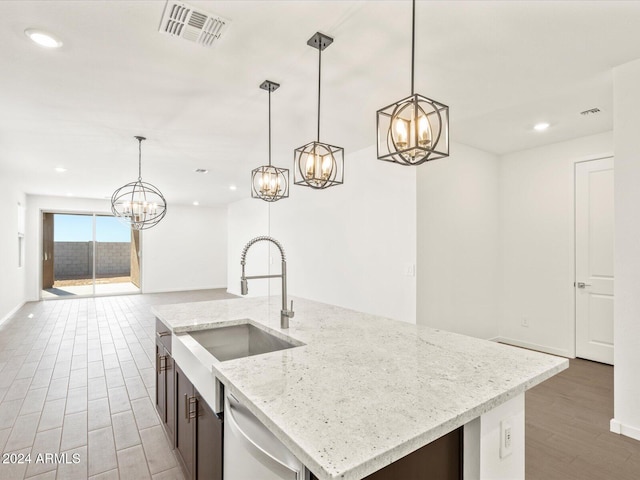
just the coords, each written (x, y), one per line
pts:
(162, 334)
(159, 367)
(189, 413)
(163, 364)
(193, 412)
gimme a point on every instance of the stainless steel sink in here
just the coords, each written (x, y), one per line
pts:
(237, 341)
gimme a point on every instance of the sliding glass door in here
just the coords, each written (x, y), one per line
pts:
(88, 254)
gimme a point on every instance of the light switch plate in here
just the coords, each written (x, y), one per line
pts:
(410, 269)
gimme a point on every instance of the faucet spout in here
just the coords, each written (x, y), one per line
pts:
(285, 314)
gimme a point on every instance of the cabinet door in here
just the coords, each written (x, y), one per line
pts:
(161, 384)
(185, 425)
(439, 460)
(209, 443)
(170, 419)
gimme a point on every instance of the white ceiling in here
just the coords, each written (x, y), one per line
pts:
(500, 66)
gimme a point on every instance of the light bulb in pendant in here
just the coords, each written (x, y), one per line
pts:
(310, 166)
(401, 133)
(326, 167)
(424, 132)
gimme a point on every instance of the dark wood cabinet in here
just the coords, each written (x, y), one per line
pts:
(170, 417)
(185, 434)
(165, 403)
(194, 429)
(208, 442)
(161, 384)
(198, 432)
(439, 460)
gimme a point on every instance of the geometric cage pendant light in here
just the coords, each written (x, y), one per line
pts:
(139, 204)
(270, 183)
(318, 165)
(415, 129)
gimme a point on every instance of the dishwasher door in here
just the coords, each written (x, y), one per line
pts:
(251, 451)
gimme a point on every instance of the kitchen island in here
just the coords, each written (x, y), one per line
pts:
(359, 391)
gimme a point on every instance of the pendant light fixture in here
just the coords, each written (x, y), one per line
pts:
(270, 183)
(415, 129)
(139, 203)
(318, 165)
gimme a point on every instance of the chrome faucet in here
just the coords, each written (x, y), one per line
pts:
(285, 314)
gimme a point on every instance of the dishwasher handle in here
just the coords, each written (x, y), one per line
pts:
(264, 457)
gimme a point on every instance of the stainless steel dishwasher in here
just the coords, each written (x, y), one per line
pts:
(251, 451)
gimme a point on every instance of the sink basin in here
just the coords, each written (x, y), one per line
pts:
(238, 341)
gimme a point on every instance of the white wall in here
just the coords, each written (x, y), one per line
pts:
(12, 279)
(457, 213)
(185, 251)
(627, 250)
(348, 245)
(248, 219)
(537, 242)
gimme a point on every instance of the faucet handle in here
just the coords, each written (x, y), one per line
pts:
(291, 312)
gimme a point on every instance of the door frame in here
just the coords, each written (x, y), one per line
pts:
(41, 213)
(573, 280)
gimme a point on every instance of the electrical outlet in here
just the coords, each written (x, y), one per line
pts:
(525, 322)
(506, 438)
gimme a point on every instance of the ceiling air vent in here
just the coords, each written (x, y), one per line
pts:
(591, 111)
(182, 20)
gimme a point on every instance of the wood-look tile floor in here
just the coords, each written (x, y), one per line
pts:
(567, 428)
(77, 378)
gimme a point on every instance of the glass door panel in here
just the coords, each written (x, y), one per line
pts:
(68, 260)
(117, 265)
(88, 254)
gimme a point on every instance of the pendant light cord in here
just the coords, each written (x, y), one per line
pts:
(319, 86)
(139, 159)
(413, 44)
(269, 126)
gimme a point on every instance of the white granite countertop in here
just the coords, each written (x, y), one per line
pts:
(364, 391)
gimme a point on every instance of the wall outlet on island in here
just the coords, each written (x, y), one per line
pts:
(525, 322)
(506, 439)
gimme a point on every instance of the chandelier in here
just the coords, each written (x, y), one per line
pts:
(415, 129)
(270, 183)
(139, 204)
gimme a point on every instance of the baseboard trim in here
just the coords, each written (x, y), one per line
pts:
(534, 346)
(184, 289)
(626, 430)
(11, 313)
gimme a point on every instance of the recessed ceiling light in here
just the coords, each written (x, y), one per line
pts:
(196, 203)
(60, 169)
(43, 39)
(69, 194)
(233, 187)
(539, 127)
(201, 170)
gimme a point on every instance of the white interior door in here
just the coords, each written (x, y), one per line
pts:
(594, 260)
